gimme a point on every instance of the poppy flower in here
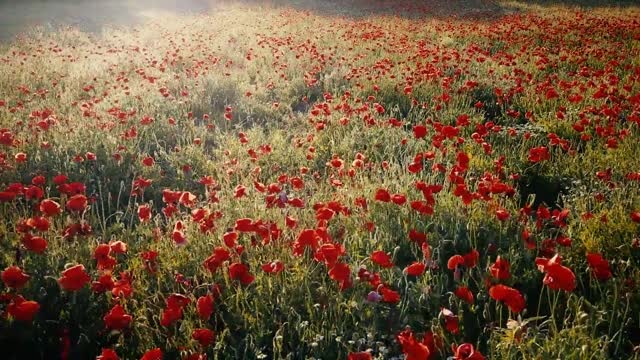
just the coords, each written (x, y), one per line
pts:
(144, 213)
(340, 272)
(273, 267)
(14, 277)
(419, 131)
(502, 214)
(500, 269)
(465, 294)
(74, 278)
(635, 216)
(557, 277)
(50, 208)
(450, 321)
(122, 287)
(389, 296)
(148, 161)
(412, 348)
(21, 309)
(204, 336)
(213, 262)
(104, 283)
(153, 354)
(230, 238)
(306, 238)
(178, 235)
(33, 192)
(116, 318)
(599, 266)
(510, 296)
(399, 199)
(240, 272)
(205, 306)
(381, 258)
(539, 154)
(36, 244)
(77, 203)
(107, 354)
(118, 247)
(415, 269)
(471, 258)
(382, 195)
(466, 352)
(455, 261)
(170, 314)
(102, 255)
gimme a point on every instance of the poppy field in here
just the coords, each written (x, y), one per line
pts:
(355, 180)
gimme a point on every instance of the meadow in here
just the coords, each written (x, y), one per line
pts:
(326, 180)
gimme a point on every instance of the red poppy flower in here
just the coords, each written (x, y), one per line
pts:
(466, 352)
(450, 321)
(230, 238)
(36, 244)
(144, 213)
(539, 154)
(471, 259)
(204, 336)
(154, 354)
(21, 309)
(412, 348)
(14, 277)
(340, 272)
(178, 235)
(500, 269)
(381, 258)
(382, 195)
(502, 214)
(205, 306)
(599, 266)
(465, 294)
(273, 267)
(213, 262)
(415, 269)
(557, 277)
(239, 191)
(116, 318)
(74, 278)
(77, 203)
(123, 288)
(148, 161)
(104, 283)
(455, 261)
(107, 354)
(389, 296)
(50, 208)
(170, 315)
(118, 247)
(399, 199)
(101, 254)
(510, 296)
(306, 238)
(240, 272)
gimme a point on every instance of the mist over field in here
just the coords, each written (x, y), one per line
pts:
(88, 15)
(95, 15)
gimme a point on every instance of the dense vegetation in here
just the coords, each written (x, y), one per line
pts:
(280, 182)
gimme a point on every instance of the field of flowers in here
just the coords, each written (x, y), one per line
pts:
(372, 181)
